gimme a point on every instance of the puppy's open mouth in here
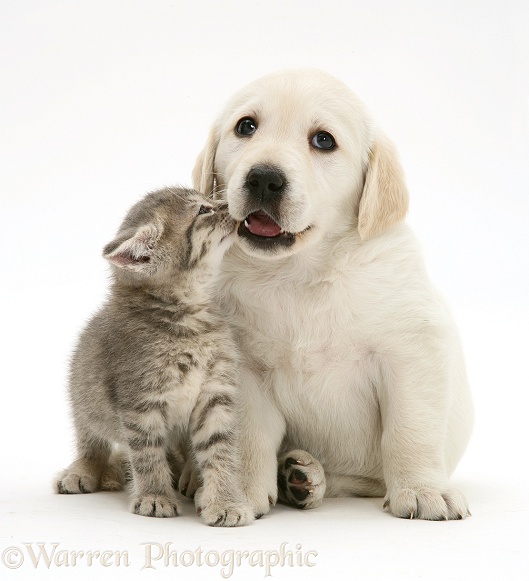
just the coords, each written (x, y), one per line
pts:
(263, 231)
(261, 224)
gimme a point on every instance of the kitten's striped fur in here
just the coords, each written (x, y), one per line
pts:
(156, 367)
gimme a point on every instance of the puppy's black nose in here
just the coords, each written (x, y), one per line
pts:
(265, 182)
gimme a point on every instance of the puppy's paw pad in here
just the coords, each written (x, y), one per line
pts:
(77, 483)
(427, 503)
(156, 505)
(301, 480)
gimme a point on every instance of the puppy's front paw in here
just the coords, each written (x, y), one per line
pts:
(427, 503)
(157, 505)
(301, 480)
(218, 512)
(261, 493)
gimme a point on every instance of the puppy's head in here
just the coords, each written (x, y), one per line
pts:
(298, 159)
(171, 236)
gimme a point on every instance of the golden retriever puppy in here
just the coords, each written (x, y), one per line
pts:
(353, 372)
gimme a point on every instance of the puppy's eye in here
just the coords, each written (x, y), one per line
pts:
(246, 126)
(204, 210)
(323, 140)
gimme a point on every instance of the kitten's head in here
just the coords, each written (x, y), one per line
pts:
(171, 234)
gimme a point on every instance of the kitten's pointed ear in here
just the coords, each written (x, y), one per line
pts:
(384, 200)
(204, 178)
(134, 248)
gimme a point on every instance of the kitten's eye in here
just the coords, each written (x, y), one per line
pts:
(246, 126)
(204, 210)
(323, 140)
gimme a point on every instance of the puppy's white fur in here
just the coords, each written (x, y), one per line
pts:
(350, 353)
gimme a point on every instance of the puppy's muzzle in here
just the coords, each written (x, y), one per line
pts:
(265, 184)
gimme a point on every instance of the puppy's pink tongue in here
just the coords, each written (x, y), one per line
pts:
(261, 224)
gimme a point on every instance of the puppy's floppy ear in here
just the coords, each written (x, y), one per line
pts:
(134, 249)
(204, 178)
(384, 200)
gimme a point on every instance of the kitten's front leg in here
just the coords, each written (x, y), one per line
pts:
(215, 440)
(262, 431)
(146, 438)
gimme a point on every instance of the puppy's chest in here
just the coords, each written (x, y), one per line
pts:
(303, 335)
(309, 341)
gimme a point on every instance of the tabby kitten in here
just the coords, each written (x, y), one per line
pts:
(155, 366)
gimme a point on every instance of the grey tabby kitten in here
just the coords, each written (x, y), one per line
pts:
(155, 366)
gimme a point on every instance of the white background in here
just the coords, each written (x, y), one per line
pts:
(104, 100)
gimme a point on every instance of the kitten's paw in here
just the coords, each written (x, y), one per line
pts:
(427, 503)
(157, 505)
(301, 480)
(113, 477)
(223, 513)
(76, 482)
(189, 480)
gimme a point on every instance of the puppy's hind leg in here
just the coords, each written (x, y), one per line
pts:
(340, 485)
